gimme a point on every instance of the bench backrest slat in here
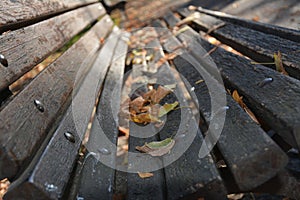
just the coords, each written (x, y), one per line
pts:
(26, 47)
(23, 125)
(19, 13)
(234, 135)
(57, 162)
(257, 45)
(98, 177)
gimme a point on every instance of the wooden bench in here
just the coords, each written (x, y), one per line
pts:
(62, 77)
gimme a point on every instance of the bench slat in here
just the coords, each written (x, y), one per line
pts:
(53, 88)
(97, 179)
(25, 48)
(55, 165)
(270, 103)
(20, 12)
(257, 45)
(188, 176)
(249, 161)
(282, 32)
(153, 187)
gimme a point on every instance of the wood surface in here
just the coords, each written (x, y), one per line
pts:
(23, 126)
(26, 47)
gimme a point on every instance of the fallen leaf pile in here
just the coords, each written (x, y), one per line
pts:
(146, 109)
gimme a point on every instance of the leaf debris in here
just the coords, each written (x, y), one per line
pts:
(157, 148)
(145, 174)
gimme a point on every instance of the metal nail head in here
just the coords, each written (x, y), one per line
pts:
(39, 105)
(70, 137)
(3, 60)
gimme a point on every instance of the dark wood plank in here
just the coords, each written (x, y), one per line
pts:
(283, 184)
(27, 47)
(256, 45)
(271, 103)
(282, 32)
(98, 174)
(187, 175)
(25, 123)
(20, 12)
(153, 187)
(246, 162)
(56, 164)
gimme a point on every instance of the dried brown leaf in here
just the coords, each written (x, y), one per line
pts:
(144, 118)
(239, 99)
(278, 63)
(160, 93)
(145, 174)
(137, 104)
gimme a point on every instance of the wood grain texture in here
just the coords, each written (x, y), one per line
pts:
(98, 174)
(27, 47)
(256, 45)
(251, 165)
(282, 32)
(20, 11)
(189, 176)
(272, 103)
(23, 127)
(152, 187)
(56, 164)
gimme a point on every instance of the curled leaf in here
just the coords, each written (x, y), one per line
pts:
(165, 109)
(144, 118)
(145, 174)
(239, 99)
(157, 148)
(160, 93)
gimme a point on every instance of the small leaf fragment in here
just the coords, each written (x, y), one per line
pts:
(145, 174)
(278, 63)
(171, 86)
(157, 148)
(165, 109)
(239, 100)
(199, 81)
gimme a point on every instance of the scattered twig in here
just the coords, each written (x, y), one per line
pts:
(215, 27)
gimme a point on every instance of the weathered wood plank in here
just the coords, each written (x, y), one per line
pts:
(18, 12)
(25, 123)
(189, 176)
(272, 103)
(27, 47)
(153, 187)
(55, 166)
(256, 45)
(246, 162)
(282, 32)
(98, 174)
